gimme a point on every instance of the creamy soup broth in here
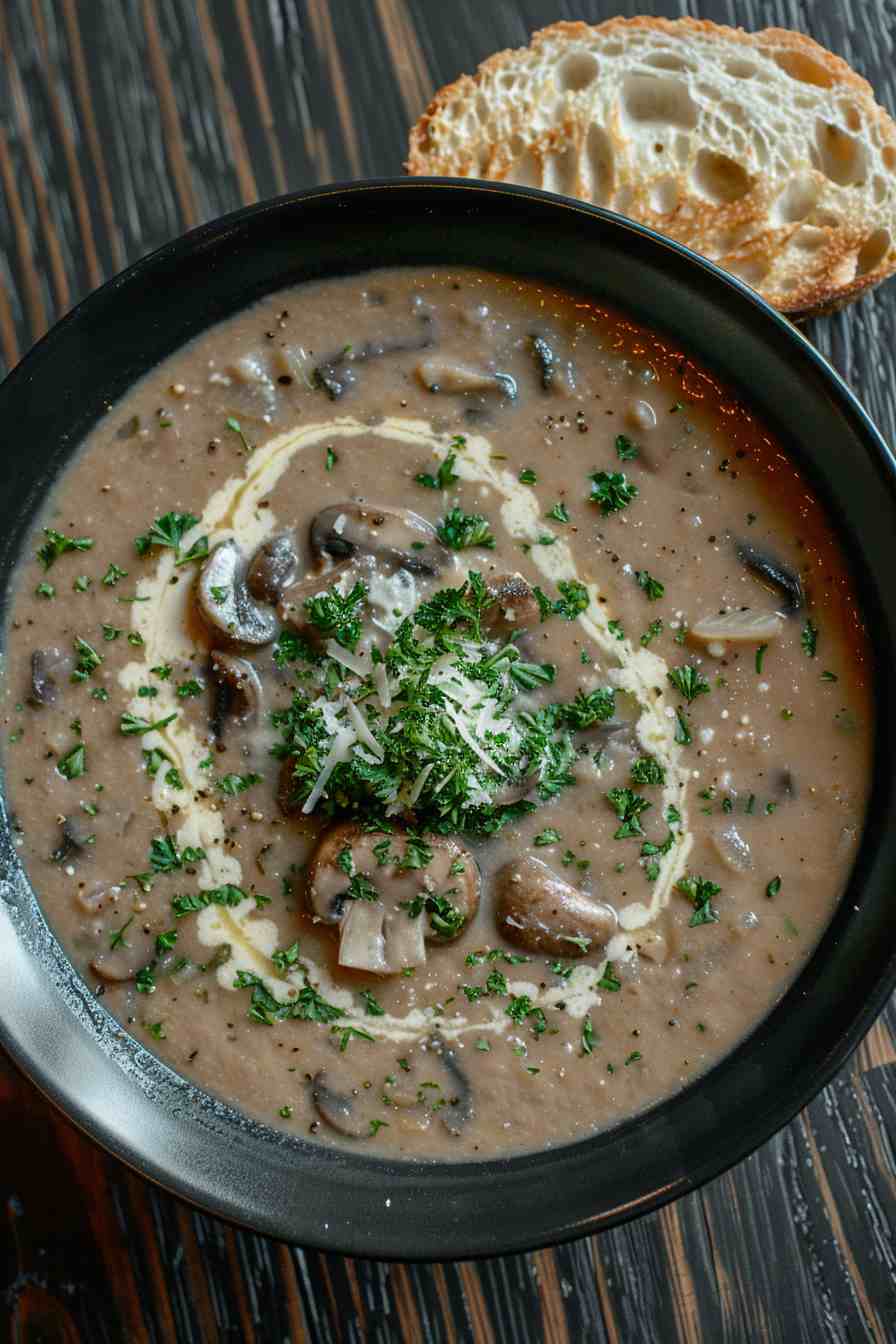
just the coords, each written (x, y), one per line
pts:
(519, 774)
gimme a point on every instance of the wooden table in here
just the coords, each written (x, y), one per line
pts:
(122, 123)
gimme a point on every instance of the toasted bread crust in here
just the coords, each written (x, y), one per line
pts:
(840, 260)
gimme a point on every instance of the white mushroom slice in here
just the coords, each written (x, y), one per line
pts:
(225, 602)
(741, 627)
(405, 940)
(361, 942)
(641, 415)
(733, 849)
(439, 374)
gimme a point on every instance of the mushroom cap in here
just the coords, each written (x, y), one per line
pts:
(225, 601)
(388, 932)
(241, 683)
(273, 567)
(398, 537)
(48, 667)
(540, 912)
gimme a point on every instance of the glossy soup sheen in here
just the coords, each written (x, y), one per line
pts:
(657, 816)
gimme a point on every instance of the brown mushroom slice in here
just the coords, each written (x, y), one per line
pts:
(460, 1110)
(539, 912)
(514, 606)
(772, 573)
(122, 963)
(273, 567)
(92, 898)
(440, 898)
(339, 1111)
(640, 415)
(398, 537)
(48, 667)
(225, 601)
(738, 627)
(238, 691)
(441, 374)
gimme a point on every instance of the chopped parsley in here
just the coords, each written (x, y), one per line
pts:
(169, 530)
(57, 544)
(651, 586)
(628, 807)
(87, 661)
(809, 639)
(372, 1005)
(560, 513)
(688, 682)
(444, 478)
(609, 980)
(45, 589)
(337, 616)
(760, 655)
(589, 1037)
(113, 574)
(264, 1009)
(187, 689)
(133, 725)
(647, 770)
(527, 476)
(459, 530)
(612, 491)
(189, 904)
(331, 459)
(654, 628)
(700, 891)
(523, 1011)
(74, 763)
(236, 428)
(285, 958)
(231, 785)
(626, 450)
(773, 887)
(165, 857)
(549, 836)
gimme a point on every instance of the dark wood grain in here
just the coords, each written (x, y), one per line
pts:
(122, 122)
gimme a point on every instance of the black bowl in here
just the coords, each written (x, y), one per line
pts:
(201, 1149)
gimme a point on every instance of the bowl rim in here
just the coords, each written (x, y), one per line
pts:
(458, 1243)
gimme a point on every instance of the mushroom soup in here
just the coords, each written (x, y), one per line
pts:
(438, 714)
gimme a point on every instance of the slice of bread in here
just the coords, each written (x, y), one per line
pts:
(761, 150)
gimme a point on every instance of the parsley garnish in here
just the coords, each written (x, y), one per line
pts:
(57, 544)
(654, 628)
(200, 900)
(688, 682)
(236, 428)
(307, 1006)
(589, 1037)
(628, 807)
(133, 725)
(549, 836)
(611, 491)
(74, 763)
(285, 958)
(113, 574)
(773, 887)
(609, 980)
(187, 689)
(647, 770)
(234, 784)
(652, 587)
(337, 617)
(626, 450)
(809, 639)
(88, 660)
(459, 530)
(527, 476)
(371, 1004)
(360, 888)
(445, 475)
(700, 891)
(560, 513)
(169, 530)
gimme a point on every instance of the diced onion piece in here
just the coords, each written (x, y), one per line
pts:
(746, 627)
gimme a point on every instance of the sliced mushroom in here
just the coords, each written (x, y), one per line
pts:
(238, 692)
(640, 415)
(545, 360)
(94, 897)
(336, 374)
(225, 602)
(74, 840)
(738, 627)
(513, 609)
(120, 964)
(441, 374)
(342, 1113)
(273, 567)
(48, 667)
(732, 848)
(774, 574)
(374, 927)
(398, 537)
(459, 1111)
(538, 911)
